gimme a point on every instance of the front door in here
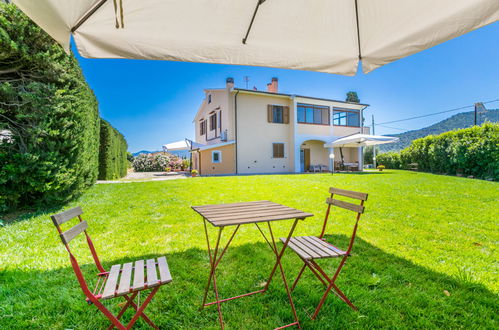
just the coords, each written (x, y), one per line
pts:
(305, 159)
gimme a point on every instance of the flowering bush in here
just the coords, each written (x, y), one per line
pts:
(142, 163)
(175, 163)
(160, 162)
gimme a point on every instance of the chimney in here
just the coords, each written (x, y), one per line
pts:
(229, 83)
(272, 87)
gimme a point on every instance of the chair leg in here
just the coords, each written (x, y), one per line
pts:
(108, 314)
(311, 267)
(298, 277)
(124, 308)
(344, 298)
(131, 303)
(324, 296)
(143, 315)
(141, 308)
(332, 285)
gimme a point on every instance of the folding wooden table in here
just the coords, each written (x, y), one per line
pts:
(237, 214)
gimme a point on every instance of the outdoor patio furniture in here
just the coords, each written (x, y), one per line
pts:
(125, 280)
(413, 166)
(324, 168)
(311, 248)
(237, 214)
(314, 168)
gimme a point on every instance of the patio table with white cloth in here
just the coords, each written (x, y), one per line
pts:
(237, 214)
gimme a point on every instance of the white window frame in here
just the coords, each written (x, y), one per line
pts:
(219, 157)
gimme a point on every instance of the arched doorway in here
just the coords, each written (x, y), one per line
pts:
(313, 156)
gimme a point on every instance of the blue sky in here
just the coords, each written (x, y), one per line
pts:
(153, 102)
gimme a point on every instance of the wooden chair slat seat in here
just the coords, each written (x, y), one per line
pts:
(152, 274)
(126, 276)
(164, 271)
(112, 280)
(119, 278)
(138, 279)
(311, 247)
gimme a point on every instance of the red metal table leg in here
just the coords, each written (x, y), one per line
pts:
(214, 261)
(278, 263)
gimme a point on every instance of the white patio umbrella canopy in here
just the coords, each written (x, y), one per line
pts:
(179, 145)
(361, 140)
(318, 35)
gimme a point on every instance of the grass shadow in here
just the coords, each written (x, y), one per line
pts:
(389, 291)
(25, 214)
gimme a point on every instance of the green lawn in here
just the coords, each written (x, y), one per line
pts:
(421, 234)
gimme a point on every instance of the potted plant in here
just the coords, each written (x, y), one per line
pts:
(194, 172)
(380, 167)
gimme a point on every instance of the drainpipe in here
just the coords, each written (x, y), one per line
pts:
(235, 126)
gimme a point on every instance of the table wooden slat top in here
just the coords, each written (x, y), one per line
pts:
(221, 215)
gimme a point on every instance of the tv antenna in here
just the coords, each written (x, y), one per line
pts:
(246, 80)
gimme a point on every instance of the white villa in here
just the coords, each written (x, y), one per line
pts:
(241, 131)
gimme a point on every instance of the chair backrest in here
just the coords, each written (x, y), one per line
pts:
(63, 217)
(347, 205)
(357, 208)
(70, 234)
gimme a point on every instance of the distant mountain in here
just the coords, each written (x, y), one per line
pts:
(461, 120)
(135, 154)
(178, 153)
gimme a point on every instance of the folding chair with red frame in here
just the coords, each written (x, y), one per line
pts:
(310, 248)
(116, 282)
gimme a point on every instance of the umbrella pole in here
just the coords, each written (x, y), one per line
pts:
(342, 162)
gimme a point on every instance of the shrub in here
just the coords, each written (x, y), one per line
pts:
(470, 151)
(160, 162)
(389, 159)
(168, 169)
(113, 161)
(185, 164)
(176, 163)
(153, 163)
(52, 115)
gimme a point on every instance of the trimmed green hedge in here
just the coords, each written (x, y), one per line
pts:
(470, 151)
(51, 113)
(113, 161)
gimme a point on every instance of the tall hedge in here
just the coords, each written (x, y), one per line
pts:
(113, 163)
(470, 151)
(51, 114)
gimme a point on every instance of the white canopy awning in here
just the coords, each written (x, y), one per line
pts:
(361, 140)
(319, 35)
(181, 145)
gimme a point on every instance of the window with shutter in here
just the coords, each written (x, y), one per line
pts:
(202, 127)
(278, 150)
(285, 115)
(213, 122)
(277, 114)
